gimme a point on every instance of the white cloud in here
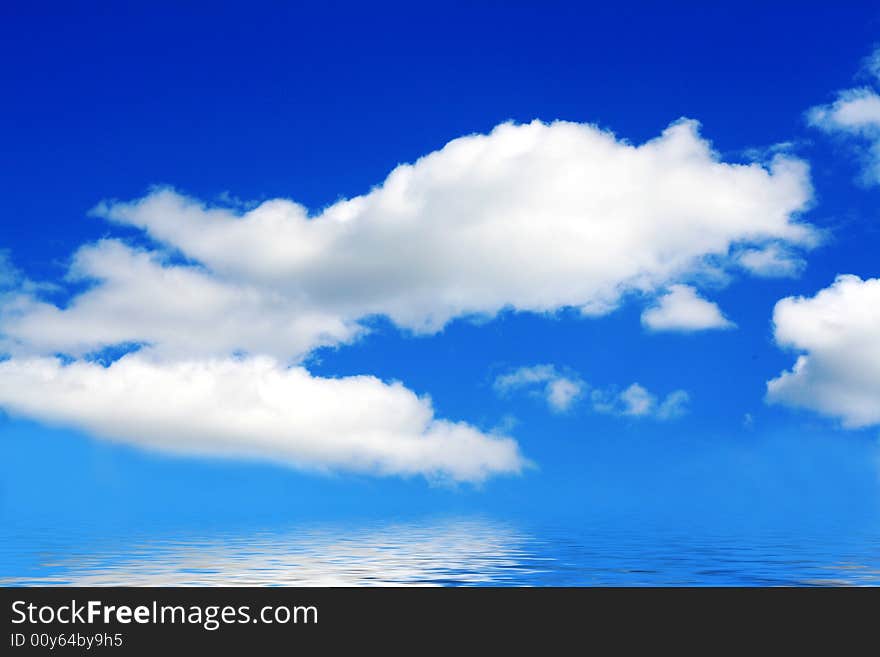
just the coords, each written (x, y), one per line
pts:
(838, 334)
(530, 217)
(674, 405)
(9, 275)
(637, 401)
(533, 218)
(258, 409)
(771, 261)
(562, 391)
(682, 309)
(855, 110)
(183, 311)
(559, 391)
(855, 113)
(871, 65)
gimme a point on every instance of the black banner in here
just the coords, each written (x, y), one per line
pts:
(180, 621)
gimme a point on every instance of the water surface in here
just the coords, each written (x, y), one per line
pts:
(471, 551)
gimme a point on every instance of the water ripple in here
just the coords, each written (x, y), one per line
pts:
(448, 552)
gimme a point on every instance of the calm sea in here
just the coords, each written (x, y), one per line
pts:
(468, 551)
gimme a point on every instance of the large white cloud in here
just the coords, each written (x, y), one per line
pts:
(838, 334)
(532, 217)
(255, 408)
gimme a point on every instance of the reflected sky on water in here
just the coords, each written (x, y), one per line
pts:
(467, 551)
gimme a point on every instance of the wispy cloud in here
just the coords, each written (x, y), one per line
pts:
(559, 390)
(637, 401)
(562, 390)
(9, 275)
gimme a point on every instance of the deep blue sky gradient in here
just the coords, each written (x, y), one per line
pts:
(318, 101)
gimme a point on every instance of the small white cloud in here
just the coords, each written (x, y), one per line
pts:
(637, 401)
(559, 391)
(855, 110)
(682, 309)
(856, 114)
(771, 261)
(837, 335)
(524, 376)
(562, 392)
(675, 405)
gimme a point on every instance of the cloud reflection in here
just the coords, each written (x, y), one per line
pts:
(463, 551)
(449, 552)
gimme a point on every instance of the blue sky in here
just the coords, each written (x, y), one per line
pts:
(245, 103)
